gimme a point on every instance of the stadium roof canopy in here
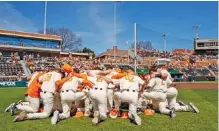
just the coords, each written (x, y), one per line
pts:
(30, 35)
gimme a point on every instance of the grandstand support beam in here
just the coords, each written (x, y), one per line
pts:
(135, 41)
(164, 41)
(44, 29)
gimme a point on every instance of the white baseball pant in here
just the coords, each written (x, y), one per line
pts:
(171, 98)
(67, 97)
(31, 105)
(48, 100)
(158, 101)
(99, 101)
(130, 96)
(110, 94)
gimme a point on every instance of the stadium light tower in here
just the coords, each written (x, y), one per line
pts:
(135, 41)
(196, 27)
(164, 35)
(115, 27)
(44, 31)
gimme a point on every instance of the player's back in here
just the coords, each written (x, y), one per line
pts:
(32, 78)
(132, 82)
(72, 83)
(93, 73)
(98, 82)
(112, 73)
(158, 85)
(49, 80)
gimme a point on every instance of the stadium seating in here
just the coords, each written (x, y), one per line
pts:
(10, 70)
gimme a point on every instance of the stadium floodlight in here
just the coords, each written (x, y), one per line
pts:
(135, 41)
(196, 27)
(115, 26)
(44, 31)
(164, 35)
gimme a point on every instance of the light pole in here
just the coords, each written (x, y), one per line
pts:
(196, 27)
(44, 31)
(127, 44)
(115, 29)
(164, 41)
(135, 35)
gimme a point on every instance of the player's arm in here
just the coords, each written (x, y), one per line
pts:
(41, 78)
(59, 83)
(104, 72)
(151, 83)
(79, 75)
(28, 78)
(85, 82)
(119, 76)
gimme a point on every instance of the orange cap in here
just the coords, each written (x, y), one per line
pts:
(66, 68)
(148, 112)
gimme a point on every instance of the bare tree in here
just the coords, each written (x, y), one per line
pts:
(70, 42)
(146, 45)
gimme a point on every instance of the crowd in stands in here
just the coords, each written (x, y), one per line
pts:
(10, 69)
(187, 63)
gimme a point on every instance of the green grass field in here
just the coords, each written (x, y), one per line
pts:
(205, 100)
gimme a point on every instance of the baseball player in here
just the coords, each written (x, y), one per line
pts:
(130, 85)
(158, 89)
(69, 94)
(32, 96)
(98, 96)
(46, 94)
(172, 95)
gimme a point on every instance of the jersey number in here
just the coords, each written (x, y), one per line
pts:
(129, 78)
(48, 77)
(99, 79)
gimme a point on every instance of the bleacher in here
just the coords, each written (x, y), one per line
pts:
(9, 70)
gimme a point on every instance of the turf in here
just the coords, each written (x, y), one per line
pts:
(205, 100)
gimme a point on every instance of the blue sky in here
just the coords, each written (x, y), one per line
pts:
(93, 21)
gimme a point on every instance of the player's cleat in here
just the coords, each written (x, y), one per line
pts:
(96, 118)
(13, 108)
(8, 108)
(137, 119)
(20, 117)
(172, 113)
(55, 117)
(193, 107)
(181, 103)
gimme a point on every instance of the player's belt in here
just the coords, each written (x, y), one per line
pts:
(68, 90)
(46, 92)
(98, 88)
(128, 90)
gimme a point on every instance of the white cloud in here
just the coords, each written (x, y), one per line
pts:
(99, 17)
(12, 19)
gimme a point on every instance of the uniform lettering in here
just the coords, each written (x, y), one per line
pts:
(48, 77)
(130, 78)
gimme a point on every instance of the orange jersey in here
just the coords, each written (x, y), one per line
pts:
(34, 86)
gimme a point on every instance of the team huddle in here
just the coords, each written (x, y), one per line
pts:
(98, 93)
